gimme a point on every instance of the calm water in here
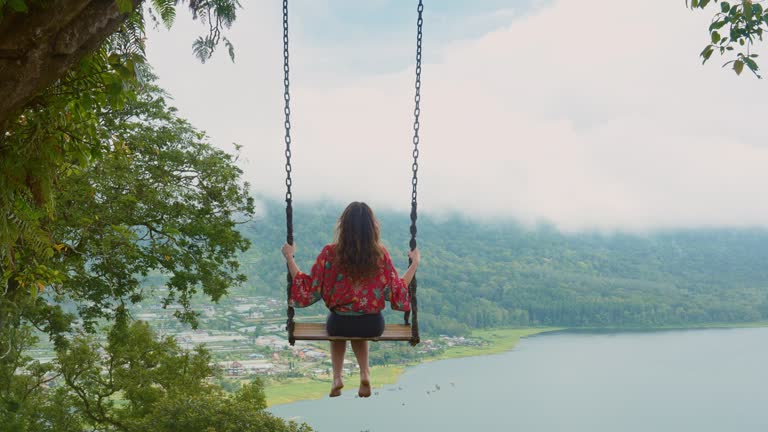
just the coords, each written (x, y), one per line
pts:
(699, 380)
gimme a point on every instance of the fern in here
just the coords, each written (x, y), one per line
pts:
(230, 49)
(167, 11)
(203, 48)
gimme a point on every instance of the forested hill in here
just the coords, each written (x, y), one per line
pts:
(477, 275)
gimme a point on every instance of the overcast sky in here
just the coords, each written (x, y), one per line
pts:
(590, 114)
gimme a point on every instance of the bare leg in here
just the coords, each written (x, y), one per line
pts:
(338, 348)
(360, 347)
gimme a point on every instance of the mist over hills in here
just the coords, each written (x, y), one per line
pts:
(476, 274)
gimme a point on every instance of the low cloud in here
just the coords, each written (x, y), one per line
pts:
(589, 115)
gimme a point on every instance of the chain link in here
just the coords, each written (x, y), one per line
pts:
(416, 126)
(290, 325)
(415, 180)
(287, 111)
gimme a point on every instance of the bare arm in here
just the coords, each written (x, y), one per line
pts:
(288, 251)
(415, 257)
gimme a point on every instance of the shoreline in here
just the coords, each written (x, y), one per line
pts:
(707, 326)
(496, 341)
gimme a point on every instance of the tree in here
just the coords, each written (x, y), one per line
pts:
(159, 202)
(162, 202)
(41, 40)
(734, 30)
(64, 66)
(134, 382)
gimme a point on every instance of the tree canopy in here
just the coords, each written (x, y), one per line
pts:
(133, 382)
(101, 186)
(477, 274)
(65, 66)
(156, 201)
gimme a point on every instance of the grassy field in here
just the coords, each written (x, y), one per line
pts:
(292, 390)
(497, 341)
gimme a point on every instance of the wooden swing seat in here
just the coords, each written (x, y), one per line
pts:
(316, 331)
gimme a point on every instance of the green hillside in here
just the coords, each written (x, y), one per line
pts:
(477, 274)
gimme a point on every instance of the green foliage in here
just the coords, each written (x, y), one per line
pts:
(102, 185)
(62, 127)
(159, 200)
(63, 130)
(388, 353)
(475, 275)
(217, 16)
(733, 31)
(162, 201)
(14, 6)
(166, 9)
(133, 382)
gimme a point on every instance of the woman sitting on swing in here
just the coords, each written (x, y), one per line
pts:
(355, 277)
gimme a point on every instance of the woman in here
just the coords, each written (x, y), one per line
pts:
(355, 277)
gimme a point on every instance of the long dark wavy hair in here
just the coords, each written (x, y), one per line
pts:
(358, 251)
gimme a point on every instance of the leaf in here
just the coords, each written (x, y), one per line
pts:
(725, 7)
(201, 49)
(114, 59)
(751, 64)
(715, 37)
(125, 6)
(167, 11)
(230, 49)
(17, 5)
(717, 25)
(747, 5)
(738, 66)
(707, 53)
(115, 88)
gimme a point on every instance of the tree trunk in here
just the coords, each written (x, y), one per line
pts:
(39, 46)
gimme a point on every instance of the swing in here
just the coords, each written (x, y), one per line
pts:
(408, 331)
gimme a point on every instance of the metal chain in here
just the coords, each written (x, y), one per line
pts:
(414, 182)
(288, 182)
(415, 179)
(416, 125)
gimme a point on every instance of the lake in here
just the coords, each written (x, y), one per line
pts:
(676, 381)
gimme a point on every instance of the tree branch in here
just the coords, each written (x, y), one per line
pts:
(38, 47)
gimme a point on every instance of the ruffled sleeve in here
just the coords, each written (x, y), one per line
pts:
(396, 291)
(307, 289)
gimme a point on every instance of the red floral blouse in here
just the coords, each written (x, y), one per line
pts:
(341, 294)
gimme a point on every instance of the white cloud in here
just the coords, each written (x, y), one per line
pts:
(588, 114)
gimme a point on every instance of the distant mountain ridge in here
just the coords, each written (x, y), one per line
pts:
(481, 275)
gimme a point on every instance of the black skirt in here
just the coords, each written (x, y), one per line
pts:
(365, 326)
